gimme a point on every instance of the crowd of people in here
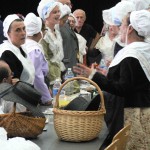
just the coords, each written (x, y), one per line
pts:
(39, 49)
(126, 84)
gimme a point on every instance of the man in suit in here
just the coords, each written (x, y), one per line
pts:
(5, 72)
(6, 76)
(70, 42)
(70, 46)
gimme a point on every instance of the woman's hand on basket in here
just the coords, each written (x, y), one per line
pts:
(82, 70)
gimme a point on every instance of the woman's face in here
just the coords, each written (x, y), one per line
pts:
(17, 33)
(72, 22)
(113, 30)
(123, 30)
(54, 16)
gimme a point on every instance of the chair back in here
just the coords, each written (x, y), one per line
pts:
(113, 146)
(123, 136)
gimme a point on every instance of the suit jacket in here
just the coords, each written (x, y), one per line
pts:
(70, 46)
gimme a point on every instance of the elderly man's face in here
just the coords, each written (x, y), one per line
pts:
(80, 15)
(67, 2)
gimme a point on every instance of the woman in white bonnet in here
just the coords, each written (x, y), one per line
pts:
(129, 77)
(81, 40)
(65, 11)
(11, 50)
(49, 11)
(113, 17)
(34, 49)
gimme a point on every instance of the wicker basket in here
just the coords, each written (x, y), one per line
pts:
(22, 124)
(78, 126)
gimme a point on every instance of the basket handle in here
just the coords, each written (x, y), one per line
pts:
(81, 78)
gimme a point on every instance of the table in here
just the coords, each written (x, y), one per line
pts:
(48, 140)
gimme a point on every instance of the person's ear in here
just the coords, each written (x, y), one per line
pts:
(130, 29)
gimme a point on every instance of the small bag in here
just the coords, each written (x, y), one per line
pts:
(93, 56)
(23, 124)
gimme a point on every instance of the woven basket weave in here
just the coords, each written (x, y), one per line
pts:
(78, 126)
(22, 124)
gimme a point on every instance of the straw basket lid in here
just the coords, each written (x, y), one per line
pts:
(78, 126)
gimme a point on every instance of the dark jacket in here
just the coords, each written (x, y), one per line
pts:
(128, 80)
(70, 46)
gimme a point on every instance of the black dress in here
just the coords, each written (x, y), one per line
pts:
(13, 62)
(126, 85)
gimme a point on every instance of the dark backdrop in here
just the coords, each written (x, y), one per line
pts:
(93, 8)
